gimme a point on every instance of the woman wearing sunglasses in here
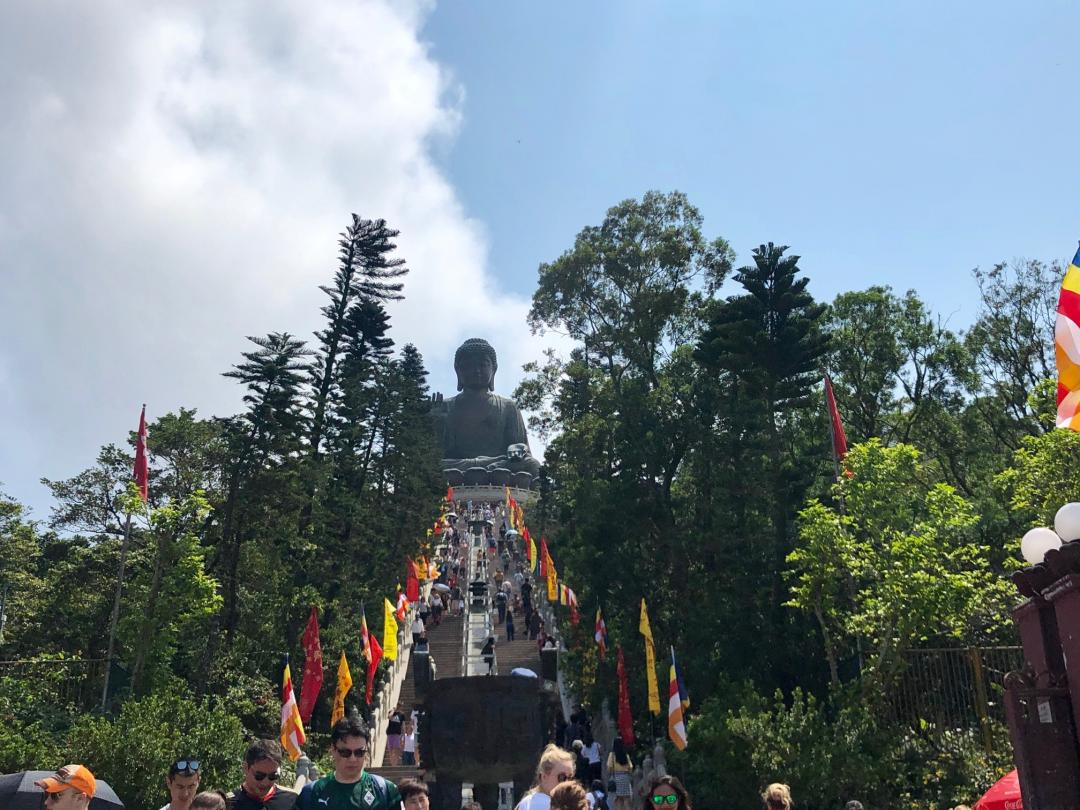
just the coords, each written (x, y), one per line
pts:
(667, 793)
(555, 767)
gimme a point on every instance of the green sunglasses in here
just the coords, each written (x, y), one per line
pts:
(671, 798)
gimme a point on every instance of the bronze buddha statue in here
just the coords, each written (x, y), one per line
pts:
(478, 428)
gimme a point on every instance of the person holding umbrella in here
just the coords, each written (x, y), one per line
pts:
(71, 788)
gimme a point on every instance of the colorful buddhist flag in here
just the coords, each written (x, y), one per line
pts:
(1067, 348)
(836, 427)
(344, 684)
(626, 719)
(389, 633)
(676, 726)
(292, 727)
(313, 668)
(571, 602)
(650, 660)
(365, 636)
(142, 468)
(684, 696)
(601, 634)
(402, 606)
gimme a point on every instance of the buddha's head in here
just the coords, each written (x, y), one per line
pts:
(475, 364)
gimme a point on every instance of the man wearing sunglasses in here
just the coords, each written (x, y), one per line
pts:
(71, 788)
(350, 786)
(262, 771)
(182, 783)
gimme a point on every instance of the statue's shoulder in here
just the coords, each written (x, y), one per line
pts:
(504, 402)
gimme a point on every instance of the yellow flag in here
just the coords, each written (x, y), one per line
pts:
(389, 633)
(650, 660)
(344, 684)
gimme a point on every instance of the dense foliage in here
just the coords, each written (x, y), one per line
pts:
(691, 452)
(313, 495)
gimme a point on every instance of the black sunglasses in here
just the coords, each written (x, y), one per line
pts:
(189, 765)
(351, 752)
(564, 777)
(260, 776)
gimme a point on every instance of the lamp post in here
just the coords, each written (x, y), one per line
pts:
(1043, 701)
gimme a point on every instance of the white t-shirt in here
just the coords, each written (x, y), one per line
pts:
(592, 752)
(537, 801)
(410, 742)
(417, 626)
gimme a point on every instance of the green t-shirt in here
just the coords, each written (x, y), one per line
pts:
(370, 793)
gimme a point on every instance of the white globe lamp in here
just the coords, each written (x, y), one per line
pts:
(1067, 522)
(1037, 542)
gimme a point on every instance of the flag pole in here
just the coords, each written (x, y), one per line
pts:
(139, 475)
(115, 617)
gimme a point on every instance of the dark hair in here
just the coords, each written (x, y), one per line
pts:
(619, 750)
(173, 770)
(596, 785)
(209, 800)
(853, 805)
(350, 726)
(472, 806)
(410, 787)
(674, 784)
(263, 749)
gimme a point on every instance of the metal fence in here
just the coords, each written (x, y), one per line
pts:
(949, 689)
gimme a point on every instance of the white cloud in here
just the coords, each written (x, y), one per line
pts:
(175, 177)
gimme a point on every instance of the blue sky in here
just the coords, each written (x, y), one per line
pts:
(894, 143)
(176, 174)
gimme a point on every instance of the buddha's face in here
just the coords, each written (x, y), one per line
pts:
(475, 372)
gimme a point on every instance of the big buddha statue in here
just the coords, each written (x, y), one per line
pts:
(478, 428)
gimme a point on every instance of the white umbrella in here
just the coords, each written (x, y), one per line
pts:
(438, 586)
(521, 672)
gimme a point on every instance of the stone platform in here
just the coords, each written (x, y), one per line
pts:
(493, 494)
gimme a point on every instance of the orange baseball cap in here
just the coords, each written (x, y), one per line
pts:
(70, 777)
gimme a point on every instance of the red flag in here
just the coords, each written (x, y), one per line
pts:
(626, 720)
(373, 664)
(142, 469)
(450, 494)
(313, 669)
(544, 557)
(412, 582)
(836, 427)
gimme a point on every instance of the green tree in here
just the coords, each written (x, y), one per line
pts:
(770, 344)
(908, 545)
(366, 272)
(169, 609)
(133, 751)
